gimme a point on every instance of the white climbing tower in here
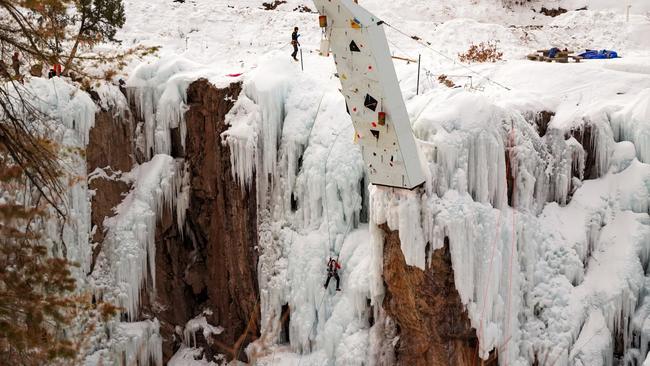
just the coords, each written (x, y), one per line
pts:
(372, 94)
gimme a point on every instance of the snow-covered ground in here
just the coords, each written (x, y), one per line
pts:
(558, 274)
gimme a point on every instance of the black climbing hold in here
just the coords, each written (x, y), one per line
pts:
(354, 47)
(370, 102)
(375, 134)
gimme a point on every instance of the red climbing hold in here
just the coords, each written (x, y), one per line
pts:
(382, 118)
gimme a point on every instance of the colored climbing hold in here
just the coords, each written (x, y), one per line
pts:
(382, 118)
(354, 47)
(370, 103)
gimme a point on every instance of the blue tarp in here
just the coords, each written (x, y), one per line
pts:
(553, 52)
(599, 55)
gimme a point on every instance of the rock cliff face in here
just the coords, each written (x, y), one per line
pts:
(212, 265)
(110, 148)
(209, 265)
(433, 326)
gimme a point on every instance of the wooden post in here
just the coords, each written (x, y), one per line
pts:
(417, 92)
(302, 64)
(408, 60)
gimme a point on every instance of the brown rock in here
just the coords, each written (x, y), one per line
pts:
(214, 264)
(110, 145)
(433, 325)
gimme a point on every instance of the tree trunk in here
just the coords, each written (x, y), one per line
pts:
(73, 52)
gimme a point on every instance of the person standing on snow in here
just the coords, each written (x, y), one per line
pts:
(333, 267)
(295, 43)
(15, 64)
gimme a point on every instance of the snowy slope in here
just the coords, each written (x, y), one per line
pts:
(554, 275)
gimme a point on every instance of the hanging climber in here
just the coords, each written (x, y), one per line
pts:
(333, 267)
(295, 43)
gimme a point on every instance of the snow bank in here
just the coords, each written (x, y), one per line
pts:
(601, 29)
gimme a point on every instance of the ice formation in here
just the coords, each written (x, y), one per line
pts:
(191, 357)
(549, 249)
(66, 116)
(136, 343)
(196, 324)
(126, 262)
(524, 274)
(526, 214)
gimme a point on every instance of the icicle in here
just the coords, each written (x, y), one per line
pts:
(128, 256)
(159, 92)
(196, 324)
(242, 139)
(137, 344)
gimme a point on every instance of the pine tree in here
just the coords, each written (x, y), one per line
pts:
(44, 318)
(48, 32)
(98, 21)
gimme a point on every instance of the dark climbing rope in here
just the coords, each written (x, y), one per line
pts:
(329, 236)
(426, 45)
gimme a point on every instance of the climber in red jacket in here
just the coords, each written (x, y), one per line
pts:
(333, 267)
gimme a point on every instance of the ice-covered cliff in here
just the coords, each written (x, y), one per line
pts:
(529, 240)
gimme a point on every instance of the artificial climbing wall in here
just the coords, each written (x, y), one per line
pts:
(372, 94)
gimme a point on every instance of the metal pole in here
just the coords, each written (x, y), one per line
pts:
(302, 65)
(417, 92)
(628, 12)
